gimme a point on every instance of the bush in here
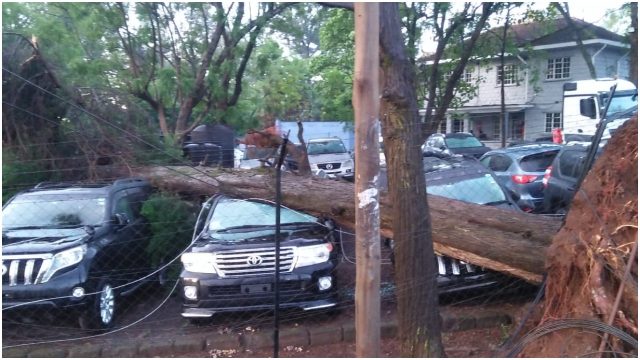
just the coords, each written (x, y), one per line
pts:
(172, 220)
(18, 175)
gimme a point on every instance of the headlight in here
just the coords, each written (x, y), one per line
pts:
(311, 255)
(64, 259)
(348, 163)
(199, 262)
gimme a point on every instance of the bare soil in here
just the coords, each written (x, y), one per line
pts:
(586, 262)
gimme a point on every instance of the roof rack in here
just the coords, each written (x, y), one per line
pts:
(56, 185)
(129, 181)
(67, 184)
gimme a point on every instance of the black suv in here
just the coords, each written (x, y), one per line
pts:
(463, 179)
(454, 143)
(74, 247)
(561, 178)
(231, 264)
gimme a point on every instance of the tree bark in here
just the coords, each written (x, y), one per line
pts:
(418, 317)
(503, 240)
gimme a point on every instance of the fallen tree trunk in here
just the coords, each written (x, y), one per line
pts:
(503, 240)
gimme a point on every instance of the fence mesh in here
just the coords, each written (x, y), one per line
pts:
(121, 269)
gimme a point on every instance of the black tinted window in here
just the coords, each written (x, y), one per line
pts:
(538, 162)
(500, 163)
(571, 163)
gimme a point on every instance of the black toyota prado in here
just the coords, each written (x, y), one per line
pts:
(74, 247)
(231, 264)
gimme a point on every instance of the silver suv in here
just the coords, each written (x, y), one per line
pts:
(331, 156)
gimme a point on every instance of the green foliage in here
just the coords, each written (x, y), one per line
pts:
(172, 221)
(18, 175)
(334, 66)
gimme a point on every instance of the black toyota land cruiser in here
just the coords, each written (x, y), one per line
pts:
(231, 264)
(74, 247)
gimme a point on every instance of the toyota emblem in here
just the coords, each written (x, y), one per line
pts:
(254, 260)
(329, 166)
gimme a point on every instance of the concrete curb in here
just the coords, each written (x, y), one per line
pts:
(299, 337)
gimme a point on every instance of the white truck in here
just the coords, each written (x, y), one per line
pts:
(585, 101)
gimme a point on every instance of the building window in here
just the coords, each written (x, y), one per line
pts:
(553, 120)
(558, 68)
(457, 125)
(447, 75)
(468, 75)
(509, 75)
(496, 128)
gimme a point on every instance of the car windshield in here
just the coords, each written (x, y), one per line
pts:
(621, 102)
(478, 190)
(462, 142)
(326, 147)
(232, 219)
(53, 211)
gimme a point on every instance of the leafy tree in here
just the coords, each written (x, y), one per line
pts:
(333, 67)
(300, 28)
(185, 61)
(462, 28)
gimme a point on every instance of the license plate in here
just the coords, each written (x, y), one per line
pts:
(255, 289)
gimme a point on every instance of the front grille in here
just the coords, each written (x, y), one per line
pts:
(449, 266)
(24, 269)
(334, 166)
(252, 262)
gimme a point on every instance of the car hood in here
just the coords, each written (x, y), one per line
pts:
(312, 236)
(328, 158)
(41, 240)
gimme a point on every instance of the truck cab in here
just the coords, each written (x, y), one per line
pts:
(585, 101)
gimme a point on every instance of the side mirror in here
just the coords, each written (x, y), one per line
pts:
(120, 220)
(588, 107)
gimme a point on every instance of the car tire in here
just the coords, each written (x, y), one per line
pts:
(102, 308)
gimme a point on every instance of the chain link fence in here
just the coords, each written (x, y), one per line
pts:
(116, 261)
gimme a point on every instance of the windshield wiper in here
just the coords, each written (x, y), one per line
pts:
(243, 228)
(299, 223)
(496, 202)
(37, 227)
(21, 228)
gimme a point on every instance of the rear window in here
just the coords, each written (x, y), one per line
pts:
(538, 162)
(571, 163)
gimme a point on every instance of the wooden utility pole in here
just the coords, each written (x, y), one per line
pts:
(366, 103)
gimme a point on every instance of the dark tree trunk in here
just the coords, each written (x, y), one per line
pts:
(418, 318)
(564, 10)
